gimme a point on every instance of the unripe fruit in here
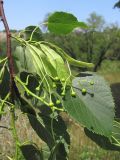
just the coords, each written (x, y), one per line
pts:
(37, 88)
(54, 85)
(63, 94)
(84, 91)
(62, 88)
(63, 79)
(91, 82)
(73, 94)
(56, 78)
(58, 101)
(51, 104)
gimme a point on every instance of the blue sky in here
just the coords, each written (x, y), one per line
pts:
(21, 13)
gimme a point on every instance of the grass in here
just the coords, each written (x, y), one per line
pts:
(110, 67)
(111, 71)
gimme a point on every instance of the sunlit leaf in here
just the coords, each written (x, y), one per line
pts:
(94, 108)
(63, 23)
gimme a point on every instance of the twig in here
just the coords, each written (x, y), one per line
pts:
(11, 82)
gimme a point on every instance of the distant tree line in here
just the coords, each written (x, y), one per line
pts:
(97, 43)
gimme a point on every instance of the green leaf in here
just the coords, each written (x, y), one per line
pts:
(63, 23)
(32, 60)
(41, 130)
(53, 152)
(23, 60)
(2, 71)
(3, 59)
(41, 60)
(94, 108)
(4, 85)
(33, 33)
(25, 106)
(58, 129)
(20, 59)
(112, 143)
(102, 141)
(31, 152)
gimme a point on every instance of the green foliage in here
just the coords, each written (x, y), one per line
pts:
(94, 108)
(95, 44)
(33, 33)
(43, 86)
(95, 22)
(112, 143)
(110, 67)
(30, 152)
(63, 23)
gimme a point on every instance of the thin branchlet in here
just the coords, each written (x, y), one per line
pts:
(11, 71)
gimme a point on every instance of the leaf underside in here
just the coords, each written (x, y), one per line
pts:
(95, 109)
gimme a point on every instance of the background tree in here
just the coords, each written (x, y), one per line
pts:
(95, 22)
